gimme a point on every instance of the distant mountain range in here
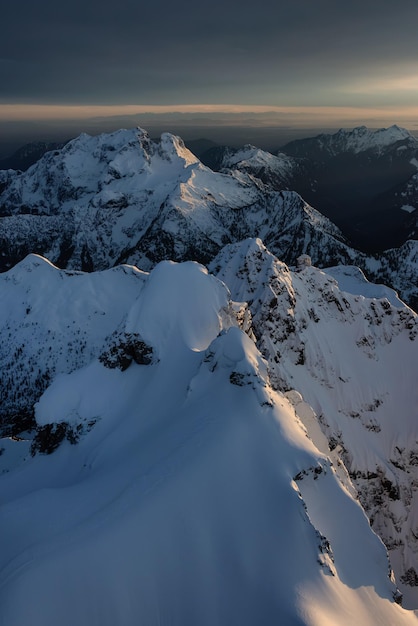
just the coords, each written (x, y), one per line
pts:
(365, 181)
(353, 177)
(124, 198)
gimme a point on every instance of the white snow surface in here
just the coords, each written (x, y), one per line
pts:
(193, 316)
(197, 497)
(55, 321)
(352, 280)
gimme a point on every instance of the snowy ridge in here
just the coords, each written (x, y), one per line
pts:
(198, 446)
(362, 139)
(325, 341)
(353, 280)
(195, 496)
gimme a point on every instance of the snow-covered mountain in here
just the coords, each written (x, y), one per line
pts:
(123, 198)
(281, 171)
(350, 350)
(175, 476)
(364, 180)
(54, 322)
(360, 139)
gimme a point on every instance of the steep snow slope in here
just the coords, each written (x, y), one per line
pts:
(195, 497)
(350, 349)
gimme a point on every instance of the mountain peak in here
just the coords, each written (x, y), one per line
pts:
(361, 139)
(355, 141)
(174, 146)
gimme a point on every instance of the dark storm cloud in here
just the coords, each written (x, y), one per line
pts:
(227, 51)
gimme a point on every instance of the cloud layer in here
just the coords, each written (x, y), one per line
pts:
(286, 53)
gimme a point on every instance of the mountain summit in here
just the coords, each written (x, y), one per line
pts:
(123, 197)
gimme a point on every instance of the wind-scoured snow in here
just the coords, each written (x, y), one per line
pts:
(193, 317)
(195, 496)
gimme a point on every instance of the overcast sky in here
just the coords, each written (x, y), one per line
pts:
(281, 53)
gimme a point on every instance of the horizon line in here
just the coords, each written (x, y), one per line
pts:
(315, 113)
